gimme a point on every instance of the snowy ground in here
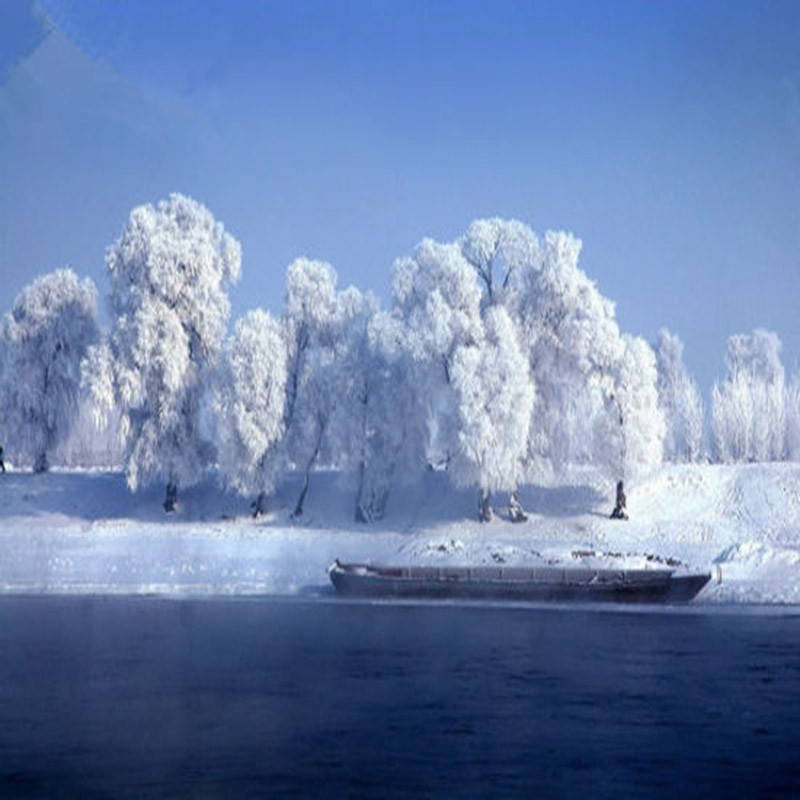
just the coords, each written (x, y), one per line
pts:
(84, 532)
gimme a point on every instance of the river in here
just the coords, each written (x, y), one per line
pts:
(138, 697)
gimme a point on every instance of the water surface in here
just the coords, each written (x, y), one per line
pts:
(224, 698)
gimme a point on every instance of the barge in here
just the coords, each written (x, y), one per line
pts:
(547, 583)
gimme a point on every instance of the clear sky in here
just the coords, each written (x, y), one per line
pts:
(666, 135)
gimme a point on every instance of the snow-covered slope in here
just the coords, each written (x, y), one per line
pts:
(84, 532)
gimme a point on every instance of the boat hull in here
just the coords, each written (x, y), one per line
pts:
(517, 583)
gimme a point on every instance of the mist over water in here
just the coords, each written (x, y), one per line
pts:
(142, 697)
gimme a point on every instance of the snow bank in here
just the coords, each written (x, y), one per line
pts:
(84, 532)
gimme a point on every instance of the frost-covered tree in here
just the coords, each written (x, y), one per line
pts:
(748, 418)
(503, 253)
(86, 447)
(574, 346)
(379, 427)
(436, 294)
(44, 338)
(464, 346)
(438, 300)
(679, 399)
(318, 321)
(169, 273)
(793, 419)
(395, 425)
(596, 393)
(757, 354)
(494, 401)
(249, 402)
(731, 419)
(630, 435)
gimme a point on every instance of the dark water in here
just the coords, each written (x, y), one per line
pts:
(103, 697)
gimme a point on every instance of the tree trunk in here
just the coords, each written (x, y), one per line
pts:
(373, 494)
(259, 505)
(374, 509)
(171, 497)
(361, 515)
(485, 506)
(515, 510)
(298, 509)
(621, 506)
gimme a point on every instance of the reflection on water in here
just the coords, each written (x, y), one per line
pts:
(135, 697)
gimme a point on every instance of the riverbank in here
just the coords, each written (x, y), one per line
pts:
(83, 532)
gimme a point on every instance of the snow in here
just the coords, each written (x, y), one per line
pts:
(84, 532)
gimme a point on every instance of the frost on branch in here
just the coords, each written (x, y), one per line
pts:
(169, 273)
(501, 252)
(44, 339)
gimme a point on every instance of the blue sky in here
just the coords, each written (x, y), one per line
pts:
(666, 135)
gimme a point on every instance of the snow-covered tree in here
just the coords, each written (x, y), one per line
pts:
(378, 430)
(494, 401)
(395, 425)
(731, 419)
(318, 321)
(87, 447)
(44, 338)
(437, 298)
(169, 272)
(464, 346)
(574, 346)
(748, 418)
(757, 354)
(249, 403)
(793, 419)
(630, 435)
(596, 388)
(679, 399)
